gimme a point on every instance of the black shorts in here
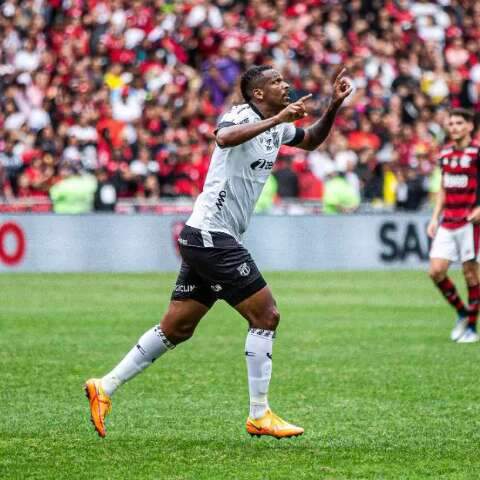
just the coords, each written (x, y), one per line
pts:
(215, 265)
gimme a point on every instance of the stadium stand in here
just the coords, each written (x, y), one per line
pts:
(129, 92)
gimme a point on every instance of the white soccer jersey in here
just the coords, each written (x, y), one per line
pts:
(236, 175)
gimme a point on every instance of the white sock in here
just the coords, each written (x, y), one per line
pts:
(151, 345)
(258, 351)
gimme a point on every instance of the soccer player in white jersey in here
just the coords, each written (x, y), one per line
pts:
(215, 265)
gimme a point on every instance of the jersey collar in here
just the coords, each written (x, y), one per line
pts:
(256, 110)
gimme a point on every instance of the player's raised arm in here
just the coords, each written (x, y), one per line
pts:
(234, 135)
(315, 134)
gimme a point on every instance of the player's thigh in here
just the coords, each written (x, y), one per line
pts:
(444, 247)
(191, 286)
(191, 300)
(260, 309)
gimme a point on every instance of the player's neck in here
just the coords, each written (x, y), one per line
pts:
(463, 142)
(262, 110)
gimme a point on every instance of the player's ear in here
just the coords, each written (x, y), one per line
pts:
(257, 94)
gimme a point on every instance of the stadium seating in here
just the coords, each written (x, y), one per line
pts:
(133, 89)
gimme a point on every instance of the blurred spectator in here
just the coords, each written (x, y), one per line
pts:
(339, 195)
(268, 195)
(411, 190)
(105, 197)
(135, 88)
(287, 179)
(74, 193)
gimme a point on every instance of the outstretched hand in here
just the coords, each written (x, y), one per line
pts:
(342, 87)
(294, 111)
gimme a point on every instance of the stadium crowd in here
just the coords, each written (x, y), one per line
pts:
(130, 92)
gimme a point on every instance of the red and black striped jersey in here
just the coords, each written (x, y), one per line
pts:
(461, 182)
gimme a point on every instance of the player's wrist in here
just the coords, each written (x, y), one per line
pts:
(276, 120)
(334, 104)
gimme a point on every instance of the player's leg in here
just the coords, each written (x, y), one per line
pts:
(444, 251)
(470, 272)
(438, 273)
(190, 301)
(469, 244)
(263, 317)
(179, 322)
(177, 325)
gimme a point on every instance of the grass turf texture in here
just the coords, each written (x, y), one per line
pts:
(362, 361)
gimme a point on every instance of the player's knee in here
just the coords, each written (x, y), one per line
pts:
(272, 319)
(437, 274)
(177, 333)
(471, 276)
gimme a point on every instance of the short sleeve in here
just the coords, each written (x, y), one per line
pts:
(292, 135)
(235, 116)
(227, 120)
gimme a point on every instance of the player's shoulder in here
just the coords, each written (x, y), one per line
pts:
(242, 113)
(446, 149)
(473, 148)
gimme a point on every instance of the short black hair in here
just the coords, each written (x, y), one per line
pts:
(250, 80)
(467, 115)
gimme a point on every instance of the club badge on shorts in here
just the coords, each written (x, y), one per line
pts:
(243, 269)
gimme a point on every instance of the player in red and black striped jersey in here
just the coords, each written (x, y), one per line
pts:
(455, 223)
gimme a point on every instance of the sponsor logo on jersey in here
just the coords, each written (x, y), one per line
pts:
(221, 199)
(216, 288)
(455, 181)
(261, 164)
(184, 288)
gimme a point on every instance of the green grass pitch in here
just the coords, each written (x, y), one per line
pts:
(362, 361)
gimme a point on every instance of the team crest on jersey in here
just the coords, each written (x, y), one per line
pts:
(276, 139)
(243, 269)
(269, 140)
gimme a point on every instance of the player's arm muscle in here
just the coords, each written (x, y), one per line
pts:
(238, 134)
(317, 133)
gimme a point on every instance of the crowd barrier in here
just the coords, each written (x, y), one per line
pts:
(141, 243)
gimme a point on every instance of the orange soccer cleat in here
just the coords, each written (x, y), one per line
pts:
(100, 404)
(273, 425)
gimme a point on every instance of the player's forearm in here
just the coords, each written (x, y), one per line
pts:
(317, 133)
(439, 204)
(238, 134)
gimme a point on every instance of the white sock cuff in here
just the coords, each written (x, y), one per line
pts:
(158, 331)
(260, 332)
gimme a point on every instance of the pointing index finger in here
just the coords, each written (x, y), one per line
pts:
(306, 97)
